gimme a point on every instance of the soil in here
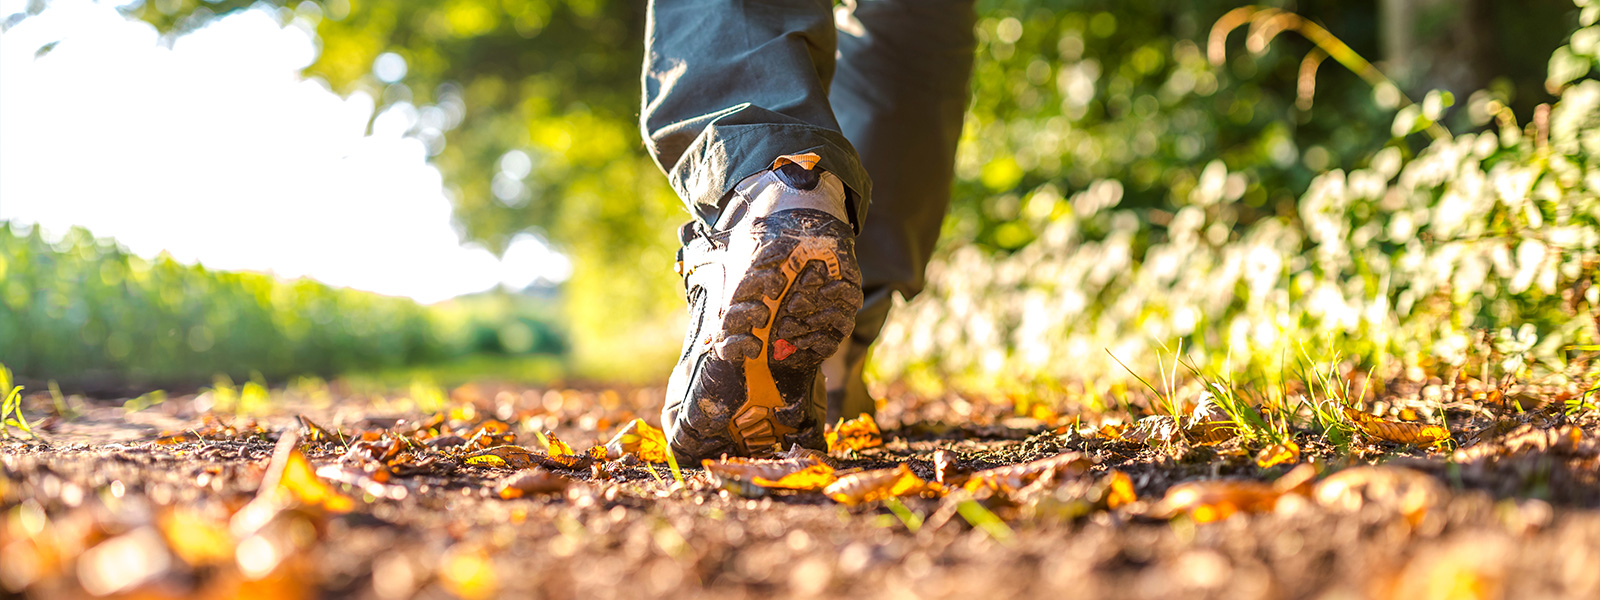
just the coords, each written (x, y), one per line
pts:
(100, 502)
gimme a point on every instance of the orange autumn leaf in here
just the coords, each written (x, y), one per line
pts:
(1403, 432)
(872, 486)
(1215, 500)
(1118, 490)
(740, 475)
(1278, 454)
(1011, 478)
(859, 433)
(812, 478)
(1112, 432)
(553, 446)
(300, 480)
(197, 540)
(1041, 412)
(468, 572)
(750, 469)
(493, 433)
(537, 481)
(641, 440)
(517, 457)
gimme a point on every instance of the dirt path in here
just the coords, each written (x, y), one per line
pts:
(98, 506)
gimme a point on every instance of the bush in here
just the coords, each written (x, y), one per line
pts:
(1486, 241)
(83, 311)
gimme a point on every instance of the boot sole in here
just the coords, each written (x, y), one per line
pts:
(790, 311)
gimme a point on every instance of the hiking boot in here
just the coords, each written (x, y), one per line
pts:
(773, 288)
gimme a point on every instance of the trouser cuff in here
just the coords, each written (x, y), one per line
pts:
(723, 155)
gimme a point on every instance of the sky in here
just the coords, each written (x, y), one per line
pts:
(216, 150)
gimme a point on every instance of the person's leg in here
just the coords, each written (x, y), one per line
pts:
(736, 113)
(900, 94)
(730, 85)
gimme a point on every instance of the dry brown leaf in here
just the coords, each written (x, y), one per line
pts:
(1208, 423)
(315, 433)
(1398, 431)
(859, 433)
(871, 486)
(1278, 454)
(517, 457)
(809, 479)
(641, 440)
(532, 481)
(798, 452)
(1010, 478)
(1215, 500)
(1154, 429)
(750, 469)
(947, 469)
(1407, 491)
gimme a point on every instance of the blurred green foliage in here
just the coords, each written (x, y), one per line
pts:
(82, 311)
(1478, 250)
(530, 108)
(1099, 134)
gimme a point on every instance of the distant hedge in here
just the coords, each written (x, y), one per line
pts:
(83, 311)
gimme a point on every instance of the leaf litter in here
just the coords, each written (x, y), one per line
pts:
(270, 506)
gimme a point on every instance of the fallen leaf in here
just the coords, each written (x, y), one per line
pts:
(315, 433)
(639, 439)
(947, 469)
(1042, 412)
(372, 484)
(796, 451)
(812, 478)
(1215, 500)
(745, 475)
(196, 539)
(1112, 432)
(871, 486)
(1154, 429)
(1278, 454)
(1409, 492)
(301, 481)
(1118, 490)
(1208, 423)
(553, 446)
(855, 434)
(1420, 434)
(290, 476)
(517, 457)
(532, 481)
(1010, 478)
(467, 571)
(492, 433)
